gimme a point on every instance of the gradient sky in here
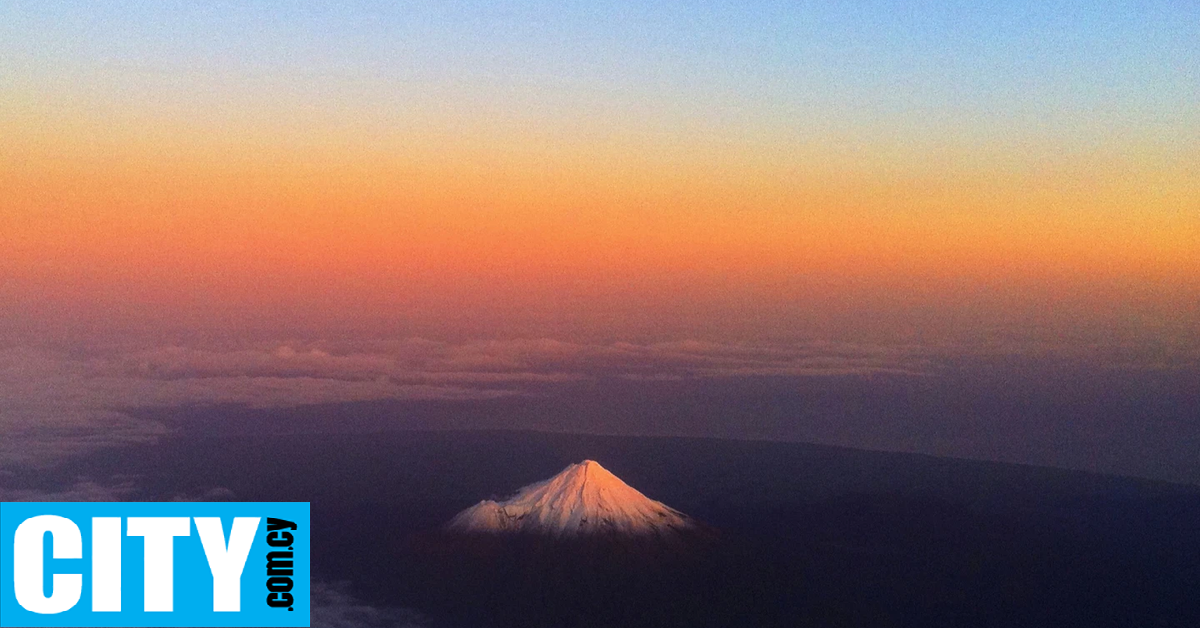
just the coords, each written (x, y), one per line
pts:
(892, 170)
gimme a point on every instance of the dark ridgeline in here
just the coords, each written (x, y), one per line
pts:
(808, 535)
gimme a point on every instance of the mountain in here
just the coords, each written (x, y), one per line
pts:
(809, 534)
(583, 500)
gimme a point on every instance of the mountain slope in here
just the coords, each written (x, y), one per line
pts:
(585, 499)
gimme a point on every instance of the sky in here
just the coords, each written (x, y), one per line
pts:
(216, 181)
(651, 170)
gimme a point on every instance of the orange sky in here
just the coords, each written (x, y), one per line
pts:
(501, 225)
(202, 202)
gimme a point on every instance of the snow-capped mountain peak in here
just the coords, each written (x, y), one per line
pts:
(584, 499)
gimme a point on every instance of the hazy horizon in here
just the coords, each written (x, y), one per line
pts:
(279, 205)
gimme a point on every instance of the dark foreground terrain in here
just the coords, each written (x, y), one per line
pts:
(808, 535)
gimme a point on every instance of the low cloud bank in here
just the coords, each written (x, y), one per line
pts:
(334, 606)
(55, 404)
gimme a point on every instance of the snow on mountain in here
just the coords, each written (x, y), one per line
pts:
(584, 499)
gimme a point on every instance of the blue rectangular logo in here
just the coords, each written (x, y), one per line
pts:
(154, 564)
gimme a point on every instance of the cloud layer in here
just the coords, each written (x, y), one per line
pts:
(55, 403)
